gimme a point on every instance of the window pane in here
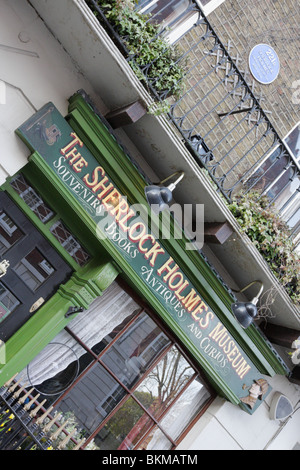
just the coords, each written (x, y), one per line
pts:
(292, 140)
(156, 440)
(164, 382)
(8, 302)
(185, 409)
(282, 183)
(69, 242)
(105, 317)
(55, 368)
(135, 350)
(163, 11)
(92, 399)
(34, 269)
(124, 429)
(9, 233)
(31, 198)
(294, 220)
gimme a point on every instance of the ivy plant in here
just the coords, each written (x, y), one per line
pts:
(151, 57)
(271, 236)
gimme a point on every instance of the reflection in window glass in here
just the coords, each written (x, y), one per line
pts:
(135, 350)
(282, 184)
(176, 17)
(294, 220)
(185, 409)
(164, 382)
(287, 190)
(268, 170)
(292, 140)
(9, 233)
(156, 440)
(54, 369)
(8, 302)
(92, 398)
(277, 179)
(164, 11)
(98, 348)
(124, 429)
(34, 269)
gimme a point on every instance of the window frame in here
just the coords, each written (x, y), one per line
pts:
(5, 294)
(52, 219)
(185, 20)
(212, 5)
(129, 393)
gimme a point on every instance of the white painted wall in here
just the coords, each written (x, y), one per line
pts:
(34, 68)
(226, 427)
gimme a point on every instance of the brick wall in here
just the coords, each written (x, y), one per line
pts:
(245, 23)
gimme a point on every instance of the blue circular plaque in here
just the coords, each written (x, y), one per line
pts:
(264, 63)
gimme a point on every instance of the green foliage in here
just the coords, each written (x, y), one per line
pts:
(159, 108)
(270, 235)
(151, 55)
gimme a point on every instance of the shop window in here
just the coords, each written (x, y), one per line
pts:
(135, 388)
(134, 351)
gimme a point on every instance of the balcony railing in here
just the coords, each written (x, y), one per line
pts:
(218, 115)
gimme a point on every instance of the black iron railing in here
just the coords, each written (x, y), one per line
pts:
(26, 425)
(218, 115)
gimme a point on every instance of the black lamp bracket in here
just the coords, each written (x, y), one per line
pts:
(180, 175)
(72, 310)
(255, 300)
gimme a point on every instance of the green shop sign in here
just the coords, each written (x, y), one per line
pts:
(49, 134)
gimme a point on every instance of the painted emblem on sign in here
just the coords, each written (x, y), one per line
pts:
(257, 390)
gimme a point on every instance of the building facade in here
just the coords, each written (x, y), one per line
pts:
(118, 337)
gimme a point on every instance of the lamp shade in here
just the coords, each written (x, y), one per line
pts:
(244, 312)
(281, 407)
(159, 196)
